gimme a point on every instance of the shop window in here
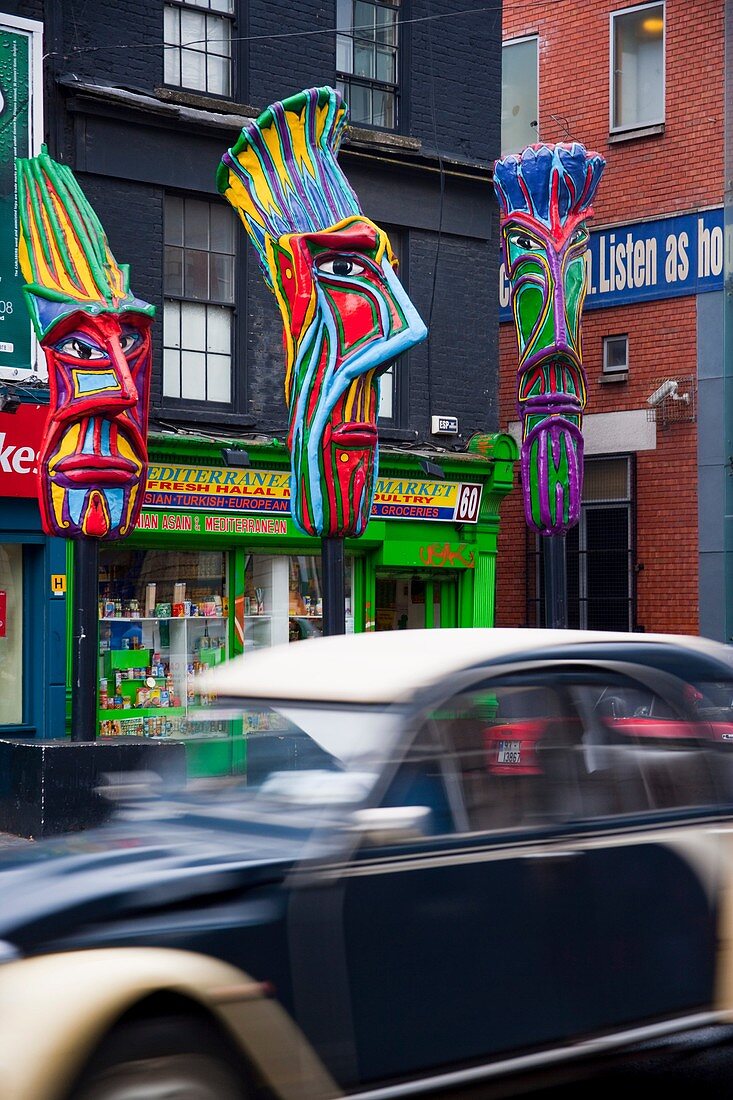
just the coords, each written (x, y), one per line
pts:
(615, 355)
(197, 40)
(163, 619)
(11, 634)
(367, 59)
(283, 599)
(519, 95)
(198, 317)
(637, 67)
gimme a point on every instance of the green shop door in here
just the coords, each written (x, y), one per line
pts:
(408, 600)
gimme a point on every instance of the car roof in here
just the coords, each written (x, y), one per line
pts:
(388, 666)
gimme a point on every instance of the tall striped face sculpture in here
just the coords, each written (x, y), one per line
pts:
(345, 314)
(96, 338)
(545, 195)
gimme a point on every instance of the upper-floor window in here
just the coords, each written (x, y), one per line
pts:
(198, 316)
(519, 95)
(388, 412)
(615, 354)
(367, 60)
(197, 37)
(637, 67)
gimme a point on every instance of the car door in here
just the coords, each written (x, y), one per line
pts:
(652, 859)
(463, 944)
(537, 911)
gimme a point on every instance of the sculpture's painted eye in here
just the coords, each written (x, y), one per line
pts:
(79, 349)
(129, 341)
(579, 236)
(339, 265)
(525, 242)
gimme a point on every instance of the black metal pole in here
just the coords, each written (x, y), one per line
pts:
(334, 590)
(556, 582)
(86, 641)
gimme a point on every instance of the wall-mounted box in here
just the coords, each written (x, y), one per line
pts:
(444, 425)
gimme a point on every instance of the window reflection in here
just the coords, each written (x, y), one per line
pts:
(11, 634)
(579, 747)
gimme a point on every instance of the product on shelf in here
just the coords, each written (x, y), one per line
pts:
(154, 638)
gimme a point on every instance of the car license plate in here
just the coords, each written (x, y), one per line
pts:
(509, 752)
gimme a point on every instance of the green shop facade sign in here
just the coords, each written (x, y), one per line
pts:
(21, 93)
(179, 489)
(193, 522)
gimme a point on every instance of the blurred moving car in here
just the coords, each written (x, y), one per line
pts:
(453, 856)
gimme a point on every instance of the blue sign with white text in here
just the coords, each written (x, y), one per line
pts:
(656, 259)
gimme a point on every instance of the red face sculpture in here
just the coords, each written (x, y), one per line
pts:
(96, 338)
(94, 455)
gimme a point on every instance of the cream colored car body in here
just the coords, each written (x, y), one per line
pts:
(56, 1009)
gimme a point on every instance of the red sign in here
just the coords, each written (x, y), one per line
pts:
(20, 441)
(3, 605)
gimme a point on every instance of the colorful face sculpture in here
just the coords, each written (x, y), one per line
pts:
(96, 338)
(545, 195)
(345, 314)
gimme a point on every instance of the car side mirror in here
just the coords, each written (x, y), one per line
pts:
(380, 825)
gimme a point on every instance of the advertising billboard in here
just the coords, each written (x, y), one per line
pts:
(21, 131)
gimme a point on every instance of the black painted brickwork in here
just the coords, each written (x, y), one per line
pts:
(26, 9)
(282, 66)
(117, 42)
(455, 78)
(456, 366)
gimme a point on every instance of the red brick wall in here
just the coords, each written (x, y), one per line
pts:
(653, 177)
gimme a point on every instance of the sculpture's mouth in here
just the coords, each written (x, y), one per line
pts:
(93, 469)
(107, 450)
(554, 384)
(355, 434)
(552, 404)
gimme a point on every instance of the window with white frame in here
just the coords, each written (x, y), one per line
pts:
(615, 354)
(198, 316)
(637, 67)
(519, 95)
(197, 39)
(387, 410)
(367, 60)
(386, 395)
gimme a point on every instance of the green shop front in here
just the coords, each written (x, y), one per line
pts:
(216, 567)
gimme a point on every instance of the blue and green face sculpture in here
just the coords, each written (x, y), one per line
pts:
(345, 314)
(545, 195)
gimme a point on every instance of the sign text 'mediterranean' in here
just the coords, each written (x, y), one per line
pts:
(208, 488)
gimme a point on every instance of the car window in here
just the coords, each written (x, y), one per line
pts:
(652, 751)
(516, 748)
(301, 754)
(540, 749)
